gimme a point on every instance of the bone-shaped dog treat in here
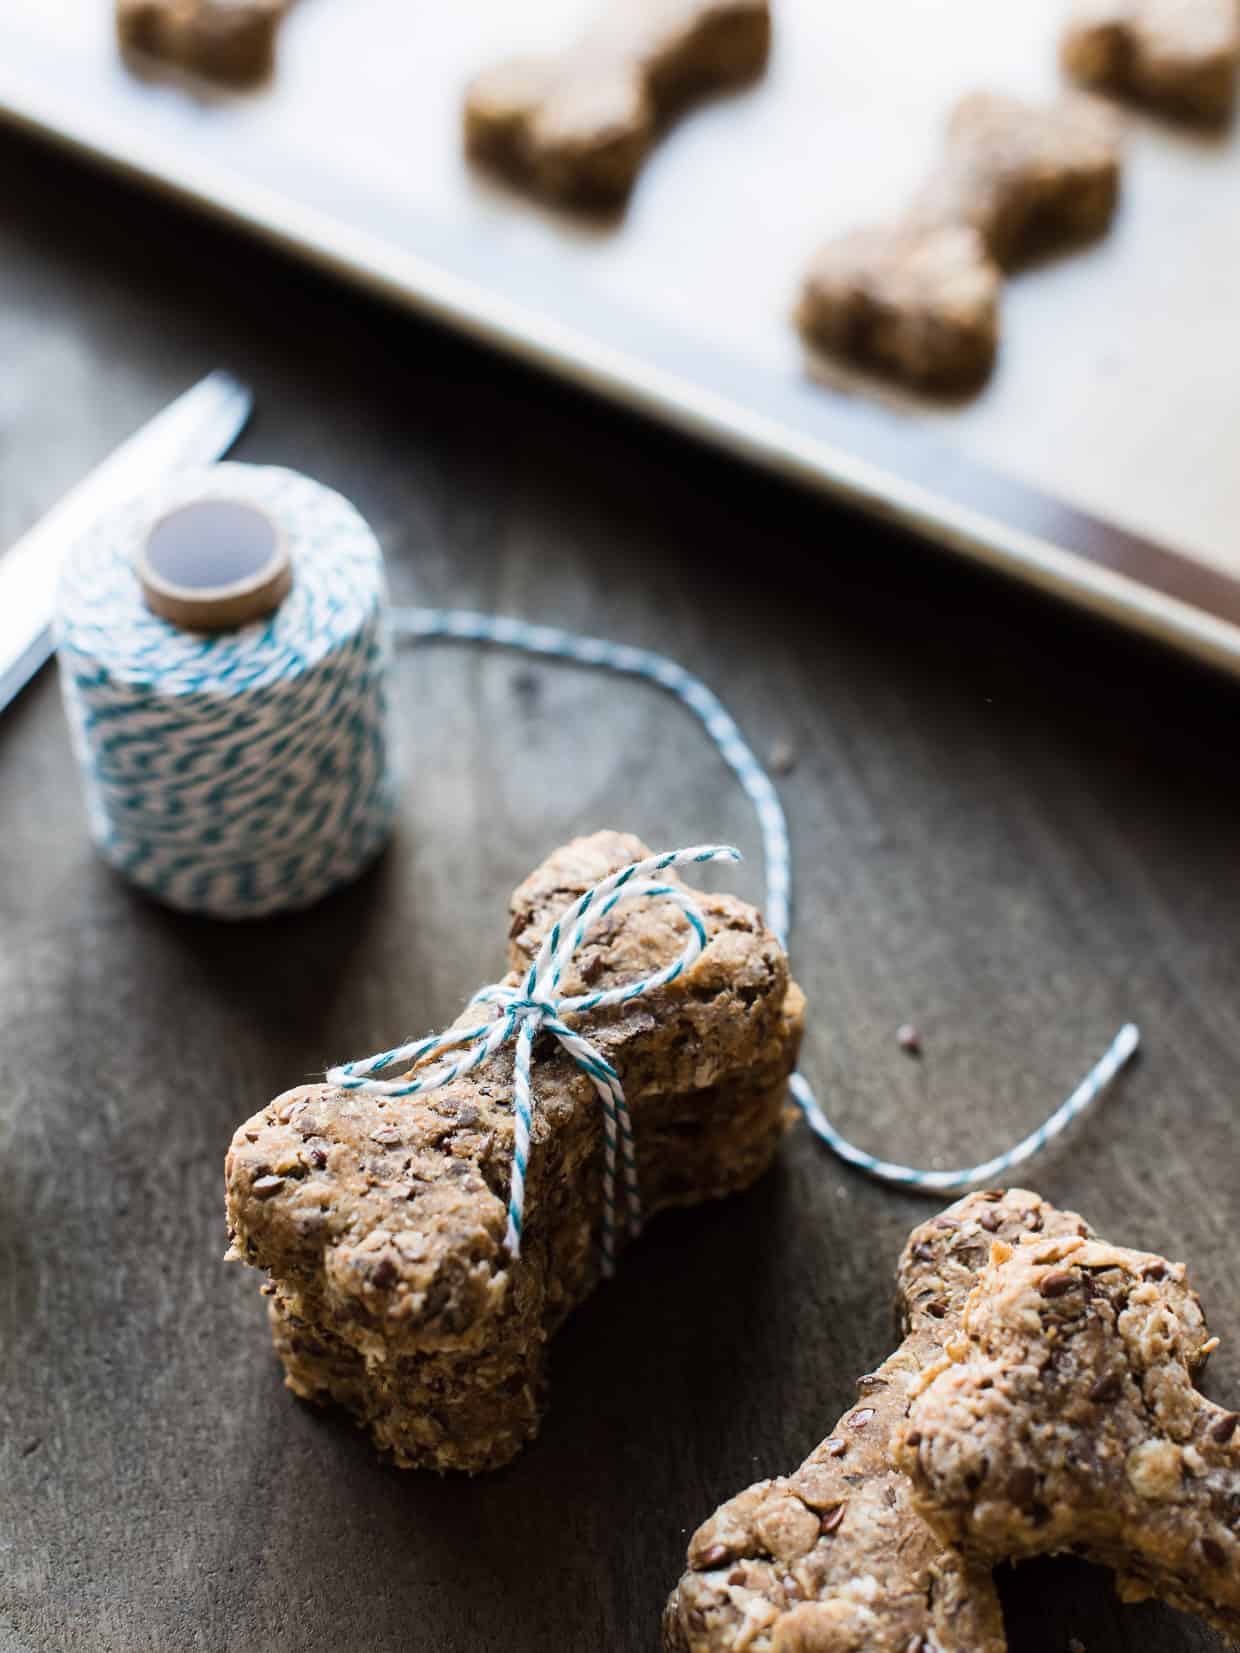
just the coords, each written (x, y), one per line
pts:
(833, 1558)
(919, 303)
(919, 299)
(1178, 55)
(578, 126)
(1066, 1419)
(230, 40)
(381, 1220)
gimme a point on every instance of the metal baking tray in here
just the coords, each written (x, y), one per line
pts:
(1100, 463)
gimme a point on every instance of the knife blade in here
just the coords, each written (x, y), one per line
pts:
(199, 427)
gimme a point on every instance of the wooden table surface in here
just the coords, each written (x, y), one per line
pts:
(1011, 828)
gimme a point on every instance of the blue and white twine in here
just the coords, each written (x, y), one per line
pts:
(537, 1005)
(248, 772)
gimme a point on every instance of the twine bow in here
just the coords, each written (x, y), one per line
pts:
(536, 1006)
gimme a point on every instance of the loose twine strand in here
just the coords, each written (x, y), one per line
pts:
(537, 1004)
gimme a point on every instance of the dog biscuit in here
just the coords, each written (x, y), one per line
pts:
(230, 40)
(919, 299)
(1064, 1417)
(577, 126)
(834, 1558)
(380, 1220)
(1179, 56)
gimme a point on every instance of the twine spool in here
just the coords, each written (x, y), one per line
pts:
(224, 661)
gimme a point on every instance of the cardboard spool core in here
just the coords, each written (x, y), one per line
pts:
(214, 564)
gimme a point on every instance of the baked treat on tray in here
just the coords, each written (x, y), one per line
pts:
(834, 1558)
(1027, 178)
(381, 1220)
(1063, 1416)
(226, 40)
(576, 126)
(918, 299)
(1179, 56)
(919, 302)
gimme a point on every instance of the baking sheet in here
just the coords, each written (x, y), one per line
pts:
(1101, 460)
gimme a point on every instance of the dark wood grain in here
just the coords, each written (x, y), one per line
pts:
(1011, 828)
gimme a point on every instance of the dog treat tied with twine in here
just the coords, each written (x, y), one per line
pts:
(424, 1235)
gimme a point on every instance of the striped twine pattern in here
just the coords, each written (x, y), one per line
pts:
(550, 642)
(537, 1005)
(247, 772)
